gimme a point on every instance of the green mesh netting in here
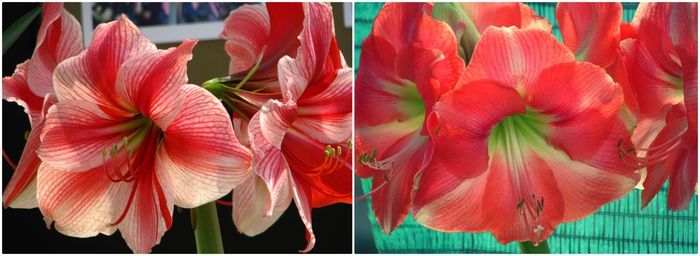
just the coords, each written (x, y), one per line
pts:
(619, 227)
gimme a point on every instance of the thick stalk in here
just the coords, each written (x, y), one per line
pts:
(528, 247)
(207, 233)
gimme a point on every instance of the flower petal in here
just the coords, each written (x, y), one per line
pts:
(16, 89)
(76, 132)
(683, 179)
(515, 57)
(200, 156)
(82, 204)
(659, 172)
(504, 15)
(92, 74)
(246, 31)
(591, 30)
(144, 224)
(24, 178)
(406, 14)
(59, 38)
(300, 193)
(250, 200)
(267, 129)
(461, 140)
(446, 202)
(152, 82)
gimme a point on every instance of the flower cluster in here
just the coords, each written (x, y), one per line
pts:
(489, 123)
(119, 137)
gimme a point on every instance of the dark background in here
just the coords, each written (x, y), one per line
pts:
(25, 230)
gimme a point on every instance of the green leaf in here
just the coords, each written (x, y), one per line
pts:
(10, 35)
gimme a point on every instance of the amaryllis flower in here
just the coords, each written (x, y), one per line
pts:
(403, 70)
(31, 87)
(128, 139)
(527, 140)
(301, 141)
(662, 66)
(470, 20)
(257, 36)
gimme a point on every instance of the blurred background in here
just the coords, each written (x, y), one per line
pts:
(25, 230)
(618, 227)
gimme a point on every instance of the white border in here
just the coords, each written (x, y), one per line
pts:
(159, 34)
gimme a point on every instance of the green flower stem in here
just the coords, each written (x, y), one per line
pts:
(10, 35)
(528, 247)
(207, 233)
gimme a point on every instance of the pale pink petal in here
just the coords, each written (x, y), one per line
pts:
(82, 204)
(59, 38)
(16, 89)
(76, 132)
(200, 156)
(267, 130)
(250, 200)
(152, 82)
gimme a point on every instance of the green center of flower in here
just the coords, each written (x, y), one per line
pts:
(513, 139)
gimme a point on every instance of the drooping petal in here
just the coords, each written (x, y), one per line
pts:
(591, 30)
(659, 172)
(521, 55)
(59, 38)
(461, 140)
(200, 156)
(65, 149)
(82, 204)
(250, 200)
(16, 89)
(683, 179)
(246, 31)
(92, 74)
(152, 82)
(300, 193)
(267, 129)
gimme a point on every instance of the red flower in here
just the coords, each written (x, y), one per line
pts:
(31, 86)
(407, 62)
(524, 142)
(300, 140)
(168, 142)
(662, 66)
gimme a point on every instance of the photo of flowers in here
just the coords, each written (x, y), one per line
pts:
(125, 145)
(526, 127)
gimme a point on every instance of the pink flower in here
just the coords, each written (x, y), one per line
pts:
(128, 139)
(663, 72)
(525, 141)
(301, 140)
(408, 61)
(31, 87)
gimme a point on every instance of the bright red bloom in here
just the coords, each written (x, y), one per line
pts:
(407, 62)
(31, 87)
(662, 66)
(525, 141)
(301, 140)
(129, 138)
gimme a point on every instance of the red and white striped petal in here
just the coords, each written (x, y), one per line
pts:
(18, 192)
(200, 157)
(16, 89)
(300, 193)
(146, 222)
(267, 129)
(152, 82)
(82, 204)
(92, 74)
(250, 200)
(76, 132)
(59, 38)
(246, 31)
